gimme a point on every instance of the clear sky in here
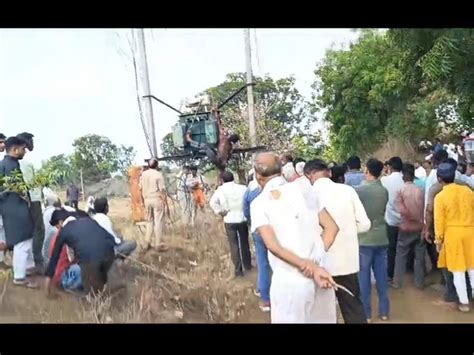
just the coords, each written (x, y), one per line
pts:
(60, 84)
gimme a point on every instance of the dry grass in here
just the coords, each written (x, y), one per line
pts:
(188, 283)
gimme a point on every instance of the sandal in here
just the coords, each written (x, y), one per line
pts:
(25, 283)
(464, 308)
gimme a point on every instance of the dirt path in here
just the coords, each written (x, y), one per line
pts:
(192, 284)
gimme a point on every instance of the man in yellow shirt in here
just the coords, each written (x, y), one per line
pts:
(454, 231)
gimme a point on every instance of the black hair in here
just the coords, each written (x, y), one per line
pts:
(57, 204)
(101, 205)
(234, 138)
(338, 174)
(375, 167)
(288, 157)
(27, 138)
(448, 179)
(2, 136)
(12, 142)
(451, 162)
(80, 214)
(298, 160)
(396, 163)
(354, 162)
(153, 163)
(439, 156)
(193, 168)
(315, 165)
(462, 167)
(59, 215)
(227, 176)
(409, 172)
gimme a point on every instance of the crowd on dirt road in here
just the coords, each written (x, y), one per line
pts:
(324, 233)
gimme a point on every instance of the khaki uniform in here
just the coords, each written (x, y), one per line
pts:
(152, 184)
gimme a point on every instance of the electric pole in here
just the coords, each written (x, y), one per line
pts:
(144, 87)
(250, 98)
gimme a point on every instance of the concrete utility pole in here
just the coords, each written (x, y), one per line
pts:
(144, 87)
(250, 98)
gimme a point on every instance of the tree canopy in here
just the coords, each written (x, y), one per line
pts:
(96, 156)
(405, 83)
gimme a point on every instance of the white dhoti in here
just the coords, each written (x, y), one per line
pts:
(296, 299)
(22, 258)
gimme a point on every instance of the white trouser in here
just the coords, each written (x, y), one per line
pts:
(459, 279)
(2, 240)
(22, 258)
(296, 299)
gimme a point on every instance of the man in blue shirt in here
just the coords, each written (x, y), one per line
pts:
(354, 177)
(263, 266)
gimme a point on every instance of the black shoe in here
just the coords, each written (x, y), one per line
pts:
(239, 274)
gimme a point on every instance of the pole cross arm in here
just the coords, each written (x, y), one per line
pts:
(235, 94)
(163, 103)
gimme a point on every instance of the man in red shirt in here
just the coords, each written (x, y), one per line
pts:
(411, 206)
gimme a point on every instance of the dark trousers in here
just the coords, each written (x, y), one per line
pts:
(238, 235)
(392, 233)
(433, 254)
(351, 306)
(94, 274)
(74, 204)
(38, 232)
(410, 241)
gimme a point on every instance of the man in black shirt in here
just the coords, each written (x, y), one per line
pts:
(93, 248)
(15, 211)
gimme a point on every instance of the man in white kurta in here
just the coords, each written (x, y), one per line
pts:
(294, 297)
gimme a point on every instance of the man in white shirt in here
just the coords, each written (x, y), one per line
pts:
(228, 202)
(123, 248)
(393, 183)
(288, 170)
(52, 204)
(420, 171)
(342, 259)
(36, 197)
(301, 290)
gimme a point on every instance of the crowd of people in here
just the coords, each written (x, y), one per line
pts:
(71, 248)
(324, 233)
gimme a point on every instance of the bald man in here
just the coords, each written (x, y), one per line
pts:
(152, 185)
(301, 290)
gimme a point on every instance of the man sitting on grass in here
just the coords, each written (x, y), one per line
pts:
(123, 248)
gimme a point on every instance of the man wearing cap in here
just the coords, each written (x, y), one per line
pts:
(454, 230)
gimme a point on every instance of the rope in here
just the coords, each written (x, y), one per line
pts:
(153, 269)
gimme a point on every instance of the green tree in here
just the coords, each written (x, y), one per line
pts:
(280, 109)
(445, 57)
(125, 158)
(58, 169)
(372, 92)
(167, 147)
(96, 156)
